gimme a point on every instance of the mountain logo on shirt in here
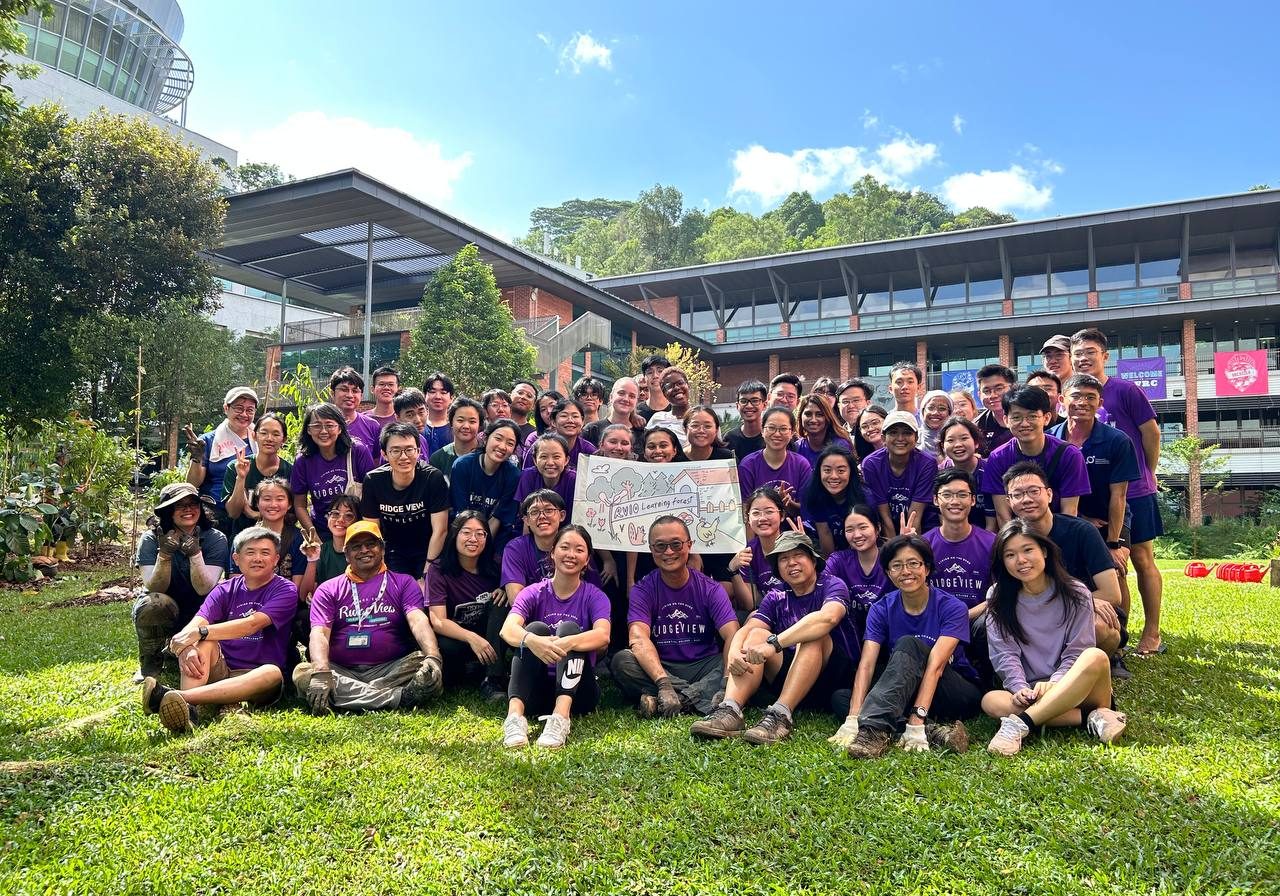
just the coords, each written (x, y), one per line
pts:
(677, 614)
(955, 566)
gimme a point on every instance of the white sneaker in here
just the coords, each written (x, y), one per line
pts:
(555, 733)
(1008, 740)
(515, 731)
(1107, 724)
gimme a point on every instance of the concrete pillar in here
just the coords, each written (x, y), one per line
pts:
(1195, 504)
(1091, 298)
(586, 363)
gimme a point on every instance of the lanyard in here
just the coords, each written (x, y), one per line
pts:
(362, 615)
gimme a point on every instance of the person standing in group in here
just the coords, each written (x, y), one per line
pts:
(328, 464)
(589, 392)
(496, 404)
(486, 479)
(1040, 628)
(852, 396)
(623, 399)
(1130, 411)
(898, 478)
(567, 419)
(747, 437)
(439, 393)
(675, 388)
(962, 448)
(465, 415)
(785, 390)
(819, 428)
(868, 437)
(386, 383)
(410, 499)
(906, 382)
(993, 381)
(1052, 386)
(702, 426)
(524, 396)
(963, 405)
(343, 512)
(212, 453)
(550, 470)
(347, 388)
(242, 477)
(651, 369)
(934, 411)
(1056, 352)
(411, 408)
(775, 465)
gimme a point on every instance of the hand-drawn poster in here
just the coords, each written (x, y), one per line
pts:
(617, 500)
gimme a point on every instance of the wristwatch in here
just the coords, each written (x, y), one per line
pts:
(204, 632)
(1118, 543)
(772, 641)
(920, 713)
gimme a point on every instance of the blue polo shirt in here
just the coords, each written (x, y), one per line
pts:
(1109, 458)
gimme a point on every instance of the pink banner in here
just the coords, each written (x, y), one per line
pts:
(1241, 373)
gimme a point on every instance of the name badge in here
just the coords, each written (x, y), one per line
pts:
(357, 640)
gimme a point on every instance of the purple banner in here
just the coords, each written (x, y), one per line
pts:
(1146, 373)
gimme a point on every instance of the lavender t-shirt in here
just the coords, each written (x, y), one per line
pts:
(754, 472)
(325, 480)
(1127, 409)
(781, 609)
(883, 486)
(683, 622)
(944, 616)
(1069, 478)
(448, 591)
(366, 431)
(962, 568)
(371, 626)
(524, 563)
(865, 588)
(531, 481)
(540, 603)
(232, 600)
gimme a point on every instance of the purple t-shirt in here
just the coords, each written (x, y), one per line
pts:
(806, 451)
(684, 622)
(325, 480)
(540, 603)
(1127, 409)
(865, 589)
(962, 568)
(883, 486)
(449, 591)
(371, 626)
(945, 615)
(754, 472)
(232, 600)
(1068, 477)
(383, 422)
(531, 481)
(758, 572)
(524, 563)
(365, 431)
(781, 609)
(580, 446)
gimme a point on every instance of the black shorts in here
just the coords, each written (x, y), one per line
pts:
(836, 674)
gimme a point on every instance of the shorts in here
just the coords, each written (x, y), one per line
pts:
(836, 674)
(1146, 525)
(221, 671)
(1125, 536)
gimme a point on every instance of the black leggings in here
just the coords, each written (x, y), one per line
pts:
(575, 676)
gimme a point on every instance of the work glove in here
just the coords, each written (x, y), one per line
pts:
(320, 691)
(432, 672)
(167, 543)
(846, 733)
(190, 545)
(669, 703)
(913, 739)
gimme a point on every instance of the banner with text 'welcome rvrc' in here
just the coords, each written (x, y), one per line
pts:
(617, 501)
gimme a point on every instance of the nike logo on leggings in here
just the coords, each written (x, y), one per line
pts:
(572, 673)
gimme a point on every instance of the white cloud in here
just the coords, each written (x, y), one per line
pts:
(583, 50)
(310, 143)
(1013, 189)
(546, 41)
(957, 123)
(769, 176)
(868, 120)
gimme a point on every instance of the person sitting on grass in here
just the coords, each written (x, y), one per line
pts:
(234, 649)
(926, 674)
(560, 626)
(677, 621)
(800, 645)
(179, 561)
(1041, 635)
(364, 628)
(462, 597)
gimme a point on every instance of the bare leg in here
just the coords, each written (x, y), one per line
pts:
(999, 704)
(740, 688)
(257, 684)
(805, 669)
(1086, 684)
(1151, 587)
(563, 704)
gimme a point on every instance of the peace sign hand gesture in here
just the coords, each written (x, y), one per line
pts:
(242, 464)
(195, 447)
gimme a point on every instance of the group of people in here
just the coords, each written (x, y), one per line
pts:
(907, 569)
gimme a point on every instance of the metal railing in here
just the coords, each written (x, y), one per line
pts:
(321, 328)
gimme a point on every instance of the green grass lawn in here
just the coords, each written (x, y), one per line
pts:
(95, 798)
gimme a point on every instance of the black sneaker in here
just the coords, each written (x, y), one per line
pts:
(772, 727)
(493, 691)
(723, 721)
(152, 692)
(870, 744)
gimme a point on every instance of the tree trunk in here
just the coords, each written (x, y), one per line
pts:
(1195, 504)
(173, 443)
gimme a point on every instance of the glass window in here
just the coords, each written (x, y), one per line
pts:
(69, 61)
(47, 48)
(767, 311)
(907, 293)
(1069, 273)
(1250, 262)
(1120, 275)
(97, 34)
(986, 290)
(1029, 279)
(106, 75)
(805, 309)
(703, 320)
(874, 302)
(835, 306)
(77, 25)
(115, 46)
(29, 32)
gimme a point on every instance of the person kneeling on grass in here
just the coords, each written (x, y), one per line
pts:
(800, 643)
(926, 674)
(1041, 635)
(676, 622)
(560, 626)
(364, 625)
(234, 649)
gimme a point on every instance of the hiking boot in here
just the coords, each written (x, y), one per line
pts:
(953, 737)
(648, 707)
(1106, 724)
(415, 694)
(723, 721)
(176, 714)
(515, 731)
(493, 691)
(1008, 740)
(152, 691)
(554, 733)
(1119, 671)
(871, 743)
(772, 727)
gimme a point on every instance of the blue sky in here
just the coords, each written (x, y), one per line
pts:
(489, 110)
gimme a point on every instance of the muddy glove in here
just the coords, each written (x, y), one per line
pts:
(432, 672)
(669, 704)
(190, 545)
(168, 543)
(320, 692)
(846, 733)
(914, 740)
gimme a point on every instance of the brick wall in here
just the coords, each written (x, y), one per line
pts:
(810, 369)
(529, 302)
(729, 376)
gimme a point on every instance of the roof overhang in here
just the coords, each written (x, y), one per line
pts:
(314, 234)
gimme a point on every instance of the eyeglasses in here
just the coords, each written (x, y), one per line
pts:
(751, 402)
(955, 496)
(778, 430)
(848, 402)
(905, 565)
(700, 427)
(1085, 353)
(187, 505)
(763, 514)
(323, 427)
(345, 516)
(407, 451)
(540, 513)
(667, 547)
(1033, 492)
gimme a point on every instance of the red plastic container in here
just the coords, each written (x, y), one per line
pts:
(1196, 570)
